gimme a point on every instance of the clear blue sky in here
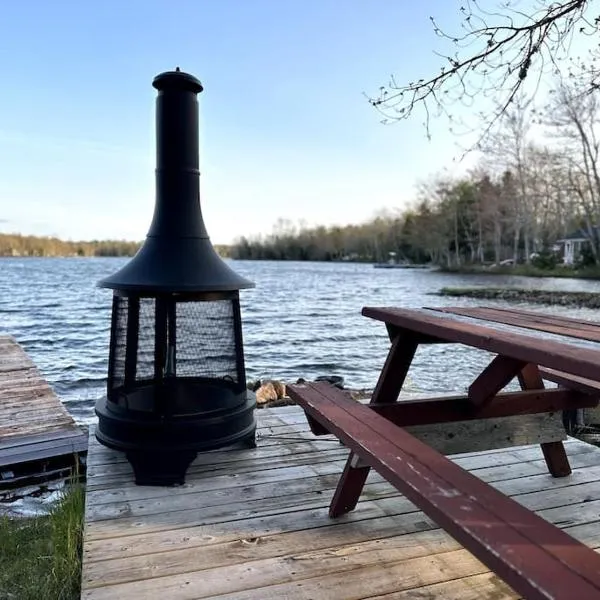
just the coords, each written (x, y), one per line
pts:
(285, 129)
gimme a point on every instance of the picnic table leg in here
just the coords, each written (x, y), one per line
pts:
(387, 389)
(349, 487)
(555, 454)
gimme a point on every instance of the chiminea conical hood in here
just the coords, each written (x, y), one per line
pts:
(177, 255)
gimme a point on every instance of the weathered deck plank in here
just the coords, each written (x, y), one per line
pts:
(34, 425)
(253, 524)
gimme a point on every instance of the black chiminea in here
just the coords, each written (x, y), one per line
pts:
(176, 376)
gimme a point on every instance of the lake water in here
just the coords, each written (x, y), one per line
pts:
(301, 320)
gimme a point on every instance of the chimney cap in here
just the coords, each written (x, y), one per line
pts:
(177, 80)
(177, 255)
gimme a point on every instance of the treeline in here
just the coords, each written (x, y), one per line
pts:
(528, 192)
(29, 245)
(370, 241)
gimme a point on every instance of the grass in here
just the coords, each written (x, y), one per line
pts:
(41, 557)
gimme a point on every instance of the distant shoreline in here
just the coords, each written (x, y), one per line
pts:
(15, 245)
(547, 297)
(14, 257)
(561, 271)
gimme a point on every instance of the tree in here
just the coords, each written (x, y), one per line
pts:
(495, 54)
(575, 121)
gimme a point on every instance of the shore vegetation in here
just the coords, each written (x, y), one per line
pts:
(40, 557)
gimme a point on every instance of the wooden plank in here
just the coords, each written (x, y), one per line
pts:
(578, 324)
(304, 564)
(155, 532)
(534, 558)
(274, 440)
(555, 317)
(535, 322)
(191, 508)
(280, 557)
(213, 550)
(238, 461)
(494, 378)
(110, 489)
(345, 585)
(459, 408)
(487, 585)
(584, 362)
(266, 557)
(486, 434)
(260, 457)
(450, 438)
(47, 436)
(36, 452)
(554, 452)
(473, 587)
(395, 369)
(29, 427)
(287, 514)
(573, 382)
(10, 366)
(34, 424)
(270, 440)
(158, 516)
(284, 532)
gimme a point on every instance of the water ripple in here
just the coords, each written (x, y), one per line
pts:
(302, 320)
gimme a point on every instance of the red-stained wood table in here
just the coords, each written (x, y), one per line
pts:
(533, 556)
(530, 359)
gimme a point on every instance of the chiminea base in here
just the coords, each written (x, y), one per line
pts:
(161, 450)
(168, 468)
(164, 468)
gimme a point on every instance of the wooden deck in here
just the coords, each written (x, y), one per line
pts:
(34, 425)
(253, 524)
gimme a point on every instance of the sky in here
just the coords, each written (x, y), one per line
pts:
(285, 129)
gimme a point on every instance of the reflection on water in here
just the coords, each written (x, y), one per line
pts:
(301, 320)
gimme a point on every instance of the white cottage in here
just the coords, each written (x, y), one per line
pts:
(572, 245)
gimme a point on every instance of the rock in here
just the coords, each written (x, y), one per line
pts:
(333, 379)
(270, 391)
(532, 296)
(279, 389)
(266, 393)
(362, 394)
(254, 385)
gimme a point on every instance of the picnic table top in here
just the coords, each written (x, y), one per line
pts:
(474, 326)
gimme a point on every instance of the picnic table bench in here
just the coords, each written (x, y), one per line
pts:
(533, 556)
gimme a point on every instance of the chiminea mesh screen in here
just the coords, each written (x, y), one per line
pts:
(202, 334)
(206, 340)
(117, 366)
(145, 337)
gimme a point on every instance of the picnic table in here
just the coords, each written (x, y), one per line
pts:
(533, 556)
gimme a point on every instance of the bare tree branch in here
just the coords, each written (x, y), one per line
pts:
(494, 57)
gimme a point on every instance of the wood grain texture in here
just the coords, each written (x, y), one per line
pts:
(446, 409)
(34, 424)
(565, 326)
(247, 526)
